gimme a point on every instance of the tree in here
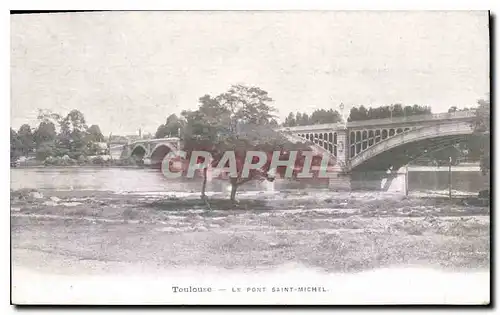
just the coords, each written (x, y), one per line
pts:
(361, 113)
(251, 138)
(249, 118)
(304, 120)
(247, 104)
(208, 122)
(298, 118)
(15, 146)
(45, 150)
(205, 126)
(262, 140)
(25, 137)
(318, 116)
(94, 134)
(46, 132)
(48, 116)
(72, 139)
(290, 120)
(171, 128)
(321, 116)
(482, 129)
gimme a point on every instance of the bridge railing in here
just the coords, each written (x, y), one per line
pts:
(172, 139)
(312, 127)
(383, 121)
(415, 118)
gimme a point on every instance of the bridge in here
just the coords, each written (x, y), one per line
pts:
(151, 151)
(364, 150)
(367, 150)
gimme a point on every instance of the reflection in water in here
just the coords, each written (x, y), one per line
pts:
(114, 179)
(142, 180)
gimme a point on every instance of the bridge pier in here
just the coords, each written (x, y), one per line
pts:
(126, 152)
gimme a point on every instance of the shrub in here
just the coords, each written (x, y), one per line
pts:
(44, 151)
(59, 161)
(98, 160)
(82, 160)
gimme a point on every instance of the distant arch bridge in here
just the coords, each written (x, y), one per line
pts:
(152, 151)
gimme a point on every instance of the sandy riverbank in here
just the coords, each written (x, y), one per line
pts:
(94, 242)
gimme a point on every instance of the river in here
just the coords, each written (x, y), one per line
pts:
(423, 180)
(127, 235)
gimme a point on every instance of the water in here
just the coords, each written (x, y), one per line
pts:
(463, 181)
(148, 180)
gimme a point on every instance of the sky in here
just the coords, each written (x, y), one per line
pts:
(130, 70)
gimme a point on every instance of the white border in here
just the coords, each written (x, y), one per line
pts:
(180, 5)
(256, 5)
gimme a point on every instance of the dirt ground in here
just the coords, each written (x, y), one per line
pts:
(91, 232)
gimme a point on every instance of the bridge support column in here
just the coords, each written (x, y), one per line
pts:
(343, 149)
(342, 180)
(125, 152)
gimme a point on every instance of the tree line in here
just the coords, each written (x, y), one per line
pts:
(331, 116)
(317, 117)
(482, 131)
(395, 110)
(56, 136)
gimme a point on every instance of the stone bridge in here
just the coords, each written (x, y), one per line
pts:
(376, 146)
(151, 151)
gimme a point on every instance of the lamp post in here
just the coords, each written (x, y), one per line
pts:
(449, 177)
(341, 108)
(391, 109)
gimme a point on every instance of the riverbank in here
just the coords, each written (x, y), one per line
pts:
(341, 233)
(88, 235)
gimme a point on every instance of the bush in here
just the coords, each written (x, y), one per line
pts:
(66, 160)
(98, 160)
(82, 160)
(44, 151)
(124, 162)
(60, 161)
(50, 160)
(76, 154)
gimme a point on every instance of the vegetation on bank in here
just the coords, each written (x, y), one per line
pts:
(58, 139)
(66, 161)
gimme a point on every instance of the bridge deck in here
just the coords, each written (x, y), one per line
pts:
(464, 115)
